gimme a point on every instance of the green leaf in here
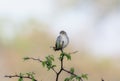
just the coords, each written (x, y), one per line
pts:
(72, 70)
(67, 79)
(20, 79)
(48, 68)
(26, 58)
(72, 77)
(48, 60)
(51, 57)
(20, 74)
(61, 56)
(28, 74)
(68, 56)
(78, 78)
(85, 76)
(33, 79)
(43, 63)
(48, 64)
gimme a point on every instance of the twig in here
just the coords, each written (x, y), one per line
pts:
(35, 59)
(73, 52)
(28, 77)
(42, 61)
(71, 73)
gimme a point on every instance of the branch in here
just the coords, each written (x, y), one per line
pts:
(62, 66)
(73, 52)
(35, 59)
(18, 76)
(71, 73)
(61, 60)
(41, 62)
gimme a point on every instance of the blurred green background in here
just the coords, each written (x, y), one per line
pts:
(30, 27)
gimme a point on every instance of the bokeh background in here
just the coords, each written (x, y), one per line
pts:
(30, 27)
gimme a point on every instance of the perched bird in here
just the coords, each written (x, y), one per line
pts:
(62, 41)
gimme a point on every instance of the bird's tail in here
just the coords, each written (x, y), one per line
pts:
(54, 48)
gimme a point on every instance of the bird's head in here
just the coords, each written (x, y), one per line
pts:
(62, 32)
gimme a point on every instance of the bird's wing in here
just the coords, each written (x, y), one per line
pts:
(59, 42)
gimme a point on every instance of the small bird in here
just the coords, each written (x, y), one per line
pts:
(62, 41)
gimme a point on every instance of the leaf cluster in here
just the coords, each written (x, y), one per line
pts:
(29, 75)
(49, 62)
(75, 77)
(68, 56)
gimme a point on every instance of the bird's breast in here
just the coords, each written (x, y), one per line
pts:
(65, 41)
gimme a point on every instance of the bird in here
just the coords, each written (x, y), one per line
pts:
(62, 41)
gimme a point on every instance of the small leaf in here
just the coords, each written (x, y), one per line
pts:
(33, 79)
(48, 60)
(72, 70)
(68, 56)
(78, 78)
(28, 74)
(26, 58)
(61, 56)
(21, 74)
(43, 63)
(51, 57)
(20, 79)
(67, 79)
(72, 77)
(85, 76)
(48, 68)
(48, 63)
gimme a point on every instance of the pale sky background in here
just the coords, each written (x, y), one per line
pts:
(99, 21)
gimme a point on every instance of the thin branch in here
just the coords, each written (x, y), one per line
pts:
(73, 52)
(28, 77)
(71, 73)
(41, 61)
(35, 59)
